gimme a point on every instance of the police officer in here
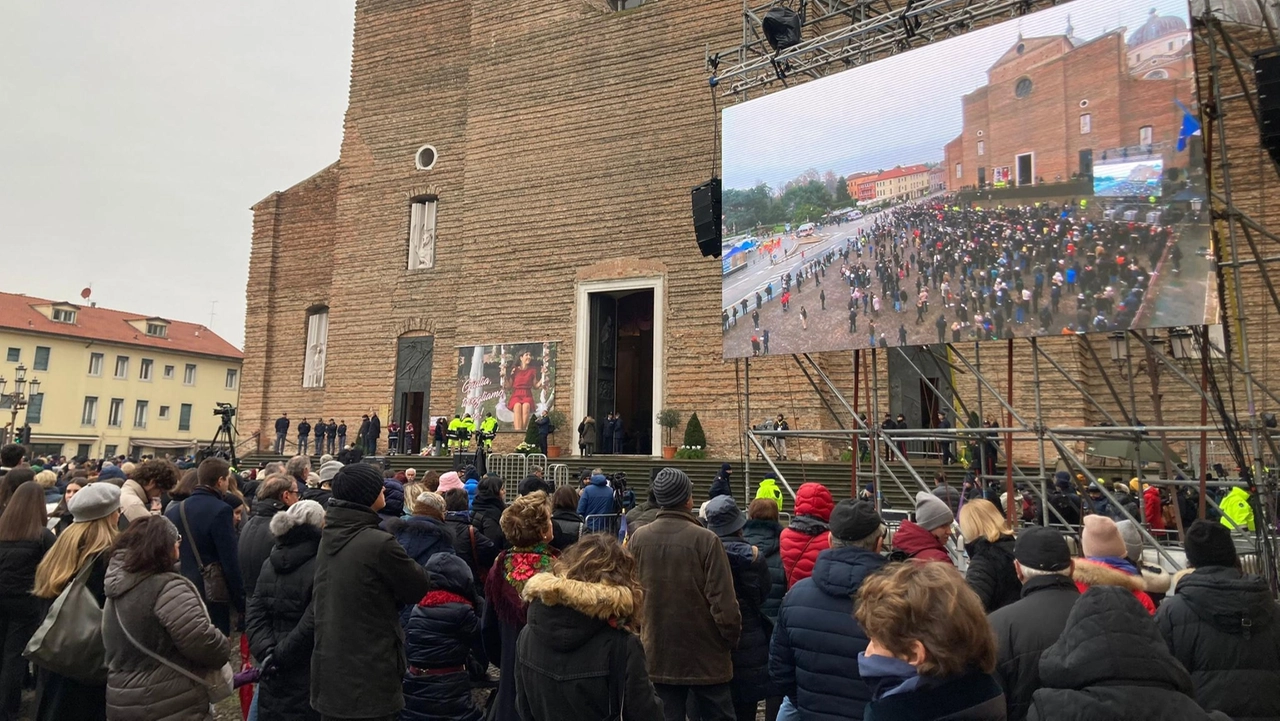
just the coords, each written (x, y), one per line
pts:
(455, 428)
(488, 426)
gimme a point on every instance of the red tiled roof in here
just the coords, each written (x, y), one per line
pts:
(902, 172)
(17, 312)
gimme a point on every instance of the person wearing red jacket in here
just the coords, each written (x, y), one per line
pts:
(1152, 508)
(925, 538)
(807, 535)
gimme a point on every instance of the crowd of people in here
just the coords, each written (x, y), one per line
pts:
(359, 593)
(934, 271)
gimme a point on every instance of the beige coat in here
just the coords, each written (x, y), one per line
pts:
(134, 503)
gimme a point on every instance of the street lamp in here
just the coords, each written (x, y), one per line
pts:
(18, 398)
(1119, 347)
(1181, 343)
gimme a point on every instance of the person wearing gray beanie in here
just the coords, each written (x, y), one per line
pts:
(671, 488)
(925, 538)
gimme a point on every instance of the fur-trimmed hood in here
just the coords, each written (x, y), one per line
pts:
(1093, 573)
(596, 600)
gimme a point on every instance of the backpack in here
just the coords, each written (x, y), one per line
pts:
(898, 555)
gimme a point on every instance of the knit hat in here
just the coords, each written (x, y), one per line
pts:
(325, 458)
(854, 520)
(1207, 544)
(724, 517)
(671, 487)
(1042, 549)
(94, 501)
(1132, 540)
(302, 513)
(358, 483)
(449, 481)
(1101, 538)
(932, 512)
(328, 470)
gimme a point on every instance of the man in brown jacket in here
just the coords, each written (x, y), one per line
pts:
(692, 621)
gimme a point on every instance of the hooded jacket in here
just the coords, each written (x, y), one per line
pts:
(991, 574)
(442, 631)
(1111, 664)
(1224, 628)
(1105, 571)
(919, 544)
(751, 584)
(471, 545)
(813, 656)
(362, 575)
(277, 622)
(596, 500)
(421, 536)
(486, 511)
(576, 660)
(807, 535)
(1023, 631)
(256, 541)
(766, 537)
(164, 613)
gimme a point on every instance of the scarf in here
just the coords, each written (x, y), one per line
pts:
(518, 566)
(887, 676)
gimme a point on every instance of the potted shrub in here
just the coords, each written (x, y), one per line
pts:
(668, 419)
(557, 422)
(695, 440)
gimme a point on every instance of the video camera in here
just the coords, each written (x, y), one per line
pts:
(225, 410)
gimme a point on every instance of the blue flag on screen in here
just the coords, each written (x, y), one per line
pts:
(1190, 126)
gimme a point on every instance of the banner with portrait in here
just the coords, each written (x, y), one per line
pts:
(513, 381)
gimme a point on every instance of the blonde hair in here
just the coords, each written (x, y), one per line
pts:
(77, 544)
(46, 478)
(526, 520)
(980, 519)
(599, 558)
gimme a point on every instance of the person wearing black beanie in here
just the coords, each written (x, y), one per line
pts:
(362, 577)
(1224, 627)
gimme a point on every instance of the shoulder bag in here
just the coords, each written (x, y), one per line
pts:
(69, 640)
(217, 682)
(215, 581)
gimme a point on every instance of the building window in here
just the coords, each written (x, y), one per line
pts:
(64, 315)
(982, 147)
(158, 330)
(189, 375)
(83, 450)
(1144, 135)
(14, 355)
(168, 373)
(164, 413)
(109, 451)
(231, 378)
(122, 366)
(140, 414)
(184, 417)
(35, 408)
(422, 234)
(41, 362)
(625, 4)
(1156, 75)
(144, 369)
(1086, 123)
(115, 413)
(89, 416)
(95, 364)
(317, 341)
(959, 171)
(425, 158)
(1022, 88)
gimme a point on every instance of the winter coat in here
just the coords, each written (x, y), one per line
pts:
(256, 541)
(1236, 507)
(1153, 509)
(471, 545)
(720, 486)
(949, 496)
(362, 575)
(641, 516)
(991, 574)
(974, 696)
(751, 585)
(134, 502)
(18, 561)
(1103, 571)
(567, 527)
(766, 536)
(807, 535)
(163, 612)
(597, 500)
(393, 494)
(576, 660)
(919, 544)
(691, 617)
(278, 623)
(817, 639)
(1023, 631)
(213, 532)
(1224, 628)
(421, 536)
(442, 632)
(60, 697)
(486, 511)
(1110, 664)
(505, 615)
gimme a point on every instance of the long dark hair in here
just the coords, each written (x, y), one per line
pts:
(10, 482)
(24, 518)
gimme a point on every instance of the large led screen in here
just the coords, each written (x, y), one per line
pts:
(1041, 176)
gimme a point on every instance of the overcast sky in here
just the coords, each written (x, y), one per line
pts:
(897, 111)
(135, 134)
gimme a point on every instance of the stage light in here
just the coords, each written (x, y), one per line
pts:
(781, 28)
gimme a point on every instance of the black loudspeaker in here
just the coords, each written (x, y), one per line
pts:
(706, 217)
(781, 27)
(1266, 71)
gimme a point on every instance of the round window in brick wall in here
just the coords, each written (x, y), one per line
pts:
(1084, 103)
(425, 158)
(1022, 88)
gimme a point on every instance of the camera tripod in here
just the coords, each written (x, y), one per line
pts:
(223, 444)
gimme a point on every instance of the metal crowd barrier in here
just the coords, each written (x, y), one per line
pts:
(557, 474)
(603, 523)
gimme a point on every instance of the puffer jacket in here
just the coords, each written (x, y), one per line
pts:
(1224, 628)
(597, 500)
(471, 545)
(751, 584)
(991, 574)
(164, 613)
(919, 544)
(1112, 665)
(256, 541)
(421, 536)
(766, 536)
(807, 535)
(277, 622)
(486, 511)
(442, 632)
(813, 657)
(575, 658)
(1106, 571)
(567, 527)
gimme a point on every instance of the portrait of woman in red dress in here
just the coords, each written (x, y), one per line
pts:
(524, 378)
